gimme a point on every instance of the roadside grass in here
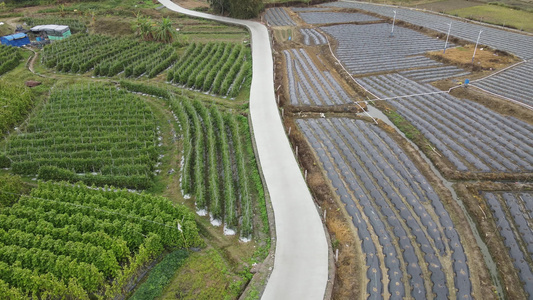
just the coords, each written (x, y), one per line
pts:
(497, 15)
(204, 275)
(160, 276)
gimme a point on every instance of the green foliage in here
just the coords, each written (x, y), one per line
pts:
(65, 241)
(149, 30)
(92, 133)
(11, 187)
(10, 58)
(244, 9)
(160, 276)
(15, 102)
(109, 56)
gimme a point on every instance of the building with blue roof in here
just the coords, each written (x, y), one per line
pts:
(16, 40)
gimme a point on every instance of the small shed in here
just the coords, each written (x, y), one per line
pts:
(54, 32)
(17, 40)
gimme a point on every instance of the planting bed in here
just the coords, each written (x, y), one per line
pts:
(515, 83)
(472, 137)
(369, 48)
(277, 16)
(516, 43)
(333, 17)
(513, 215)
(313, 37)
(410, 243)
(434, 74)
(310, 86)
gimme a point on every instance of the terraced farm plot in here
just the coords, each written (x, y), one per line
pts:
(109, 56)
(10, 58)
(277, 16)
(369, 48)
(472, 137)
(515, 83)
(335, 17)
(70, 242)
(108, 135)
(411, 246)
(217, 68)
(516, 43)
(434, 74)
(513, 215)
(313, 37)
(310, 86)
(217, 163)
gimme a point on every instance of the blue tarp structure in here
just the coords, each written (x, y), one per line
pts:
(17, 40)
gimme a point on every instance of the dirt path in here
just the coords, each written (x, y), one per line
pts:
(32, 61)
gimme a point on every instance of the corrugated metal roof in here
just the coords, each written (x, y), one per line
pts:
(58, 28)
(15, 36)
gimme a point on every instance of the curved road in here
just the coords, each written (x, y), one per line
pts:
(301, 256)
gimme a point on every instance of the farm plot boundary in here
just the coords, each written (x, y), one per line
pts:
(489, 226)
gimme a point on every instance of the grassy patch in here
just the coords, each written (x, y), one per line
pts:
(497, 15)
(204, 275)
(160, 276)
(485, 58)
(407, 128)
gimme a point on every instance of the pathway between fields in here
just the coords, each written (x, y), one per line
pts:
(301, 256)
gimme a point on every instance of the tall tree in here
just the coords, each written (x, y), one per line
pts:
(243, 9)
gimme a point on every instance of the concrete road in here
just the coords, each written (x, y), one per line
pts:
(301, 256)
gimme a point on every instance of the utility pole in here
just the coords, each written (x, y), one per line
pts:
(477, 42)
(447, 36)
(393, 21)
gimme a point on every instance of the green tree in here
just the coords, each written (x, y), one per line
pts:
(164, 31)
(144, 27)
(220, 6)
(245, 9)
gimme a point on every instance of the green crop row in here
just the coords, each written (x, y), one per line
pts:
(219, 68)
